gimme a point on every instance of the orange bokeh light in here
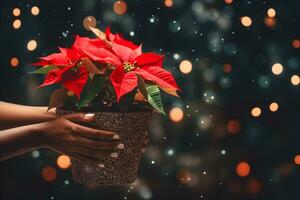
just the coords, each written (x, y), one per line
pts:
(17, 24)
(120, 7)
(271, 12)
(185, 66)
(16, 12)
(63, 161)
(31, 45)
(246, 21)
(228, 1)
(254, 186)
(176, 114)
(89, 21)
(256, 112)
(233, 127)
(295, 80)
(274, 107)
(169, 3)
(14, 62)
(35, 10)
(49, 173)
(297, 159)
(243, 169)
(184, 176)
(270, 22)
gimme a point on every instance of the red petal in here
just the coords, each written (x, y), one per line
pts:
(120, 40)
(109, 36)
(75, 81)
(123, 52)
(52, 77)
(59, 59)
(161, 77)
(102, 55)
(149, 59)
(123, 82)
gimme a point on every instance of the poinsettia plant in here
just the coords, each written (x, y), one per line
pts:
(105, 70)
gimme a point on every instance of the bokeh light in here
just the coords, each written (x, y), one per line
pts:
(176, 114)
(16, 12)
(256, 112)
(233, 127)
(271, 12)
(228, 1)
(227, 68)
(17, 24)
(63, 161)
(273, 107)
(246, 21)
(254, 186)
(35, 10)
(184, 176)
(296, 44)
(31, 45)
(295, 80)
(89, 21)
(297, 159)
(270, 22)
(185, 66)
(49, 173)
(169, 3)
(277, 69)
(243, 169)
(120, 7)
(14, 62)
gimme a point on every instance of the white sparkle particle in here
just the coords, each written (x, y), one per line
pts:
(152, 162)
(223, 152)
(131, 33)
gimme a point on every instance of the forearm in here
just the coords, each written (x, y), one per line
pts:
(19, 140)
(12, 115)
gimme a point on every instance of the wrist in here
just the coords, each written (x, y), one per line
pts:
(38, 135)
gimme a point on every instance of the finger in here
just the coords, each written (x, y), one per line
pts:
(94, 133)
(97, 144)
(80, 117)
(87, 160)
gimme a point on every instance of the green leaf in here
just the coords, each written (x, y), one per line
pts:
(44, 70)
(154, 98)
(91, 90)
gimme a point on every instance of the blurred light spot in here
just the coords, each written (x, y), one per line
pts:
(253, 186)
(256, 112)
(273, 107)
(14, 62)
(271, 12)
(31, 45)
(227, 68)
(17, 24)
(89, 21)
(277, 68)
(16, 12)
(35, 10)
(176, 56)
(169, 3)
(296, 44)
(184, 176)
(270, 22)
(228, 1)
(49, 173)
(185, 66)
(264, 81)
(35, 153)
(246, 21)
(174, 26)
(295, 80)
(176, 114)
(63, 161)
(170, 152)
(120, 7)
(233, 127)
(243, 169)
(70, 93)
(297, 159)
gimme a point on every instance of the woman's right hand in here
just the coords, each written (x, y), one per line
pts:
(79, 142)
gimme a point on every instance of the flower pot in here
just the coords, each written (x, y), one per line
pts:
(131, 127)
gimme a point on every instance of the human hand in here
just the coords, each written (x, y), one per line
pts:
(79, 142)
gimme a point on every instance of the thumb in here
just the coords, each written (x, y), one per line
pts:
(80, 117)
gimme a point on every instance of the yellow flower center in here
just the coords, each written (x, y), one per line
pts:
(129, 66)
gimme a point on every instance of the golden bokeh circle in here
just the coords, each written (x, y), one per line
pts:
(120, 7)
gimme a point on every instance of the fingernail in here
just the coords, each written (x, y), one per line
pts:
(89, 115)
(116, 137)
(114, 155)
(120, 146)
(101, 165)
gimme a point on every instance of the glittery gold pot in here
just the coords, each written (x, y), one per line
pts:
(131, 127)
